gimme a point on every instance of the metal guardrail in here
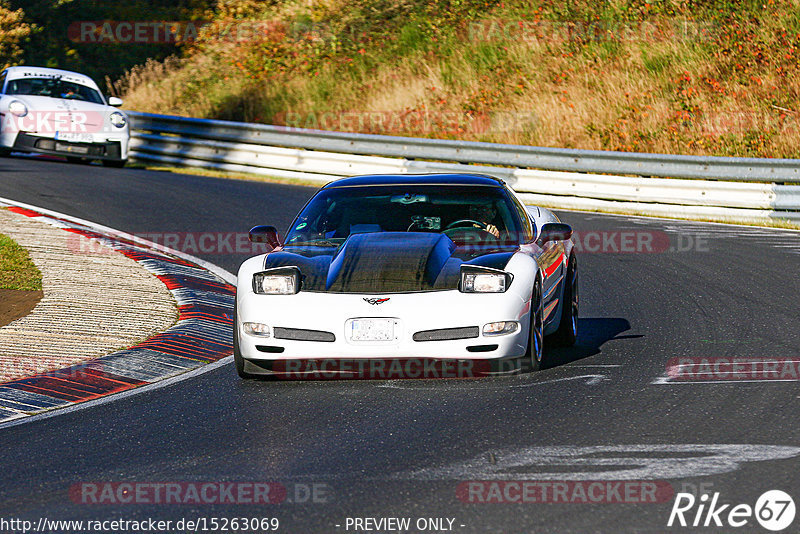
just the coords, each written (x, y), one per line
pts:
(556, 159)
(744, 188)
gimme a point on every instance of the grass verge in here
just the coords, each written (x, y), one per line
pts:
(17, 271)
(229, 175)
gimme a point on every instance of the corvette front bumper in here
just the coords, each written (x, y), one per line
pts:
(457, 317)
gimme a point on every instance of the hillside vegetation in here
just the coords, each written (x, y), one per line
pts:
(716, 77)
(45, 33)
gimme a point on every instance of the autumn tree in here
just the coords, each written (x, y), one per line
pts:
(13, 32)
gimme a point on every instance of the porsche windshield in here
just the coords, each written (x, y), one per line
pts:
(53, 87)
(465, 213)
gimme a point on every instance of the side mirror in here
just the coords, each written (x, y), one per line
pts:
(114, 101)
(554, 232)
(265, 234)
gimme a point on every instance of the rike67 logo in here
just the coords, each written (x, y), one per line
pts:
(774, 510)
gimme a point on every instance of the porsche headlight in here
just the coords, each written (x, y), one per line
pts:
(118, 119)
(280, 281)
(484, 280)
(18, 108)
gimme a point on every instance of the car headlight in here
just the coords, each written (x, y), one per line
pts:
(18, 108)
(500, 328)
(476, 279)
(256, 329)
(118, 119)
(279, 281)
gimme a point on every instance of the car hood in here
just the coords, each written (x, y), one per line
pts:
(94, 113)
(387, 262)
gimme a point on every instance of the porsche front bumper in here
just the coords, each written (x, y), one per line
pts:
(104, 149)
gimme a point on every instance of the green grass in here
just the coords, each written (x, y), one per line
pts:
(17, 271)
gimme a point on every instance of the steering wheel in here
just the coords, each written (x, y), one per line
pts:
(467, 227)
(462, 222)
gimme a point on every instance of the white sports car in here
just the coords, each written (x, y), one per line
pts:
(51, 111)
(429, 275)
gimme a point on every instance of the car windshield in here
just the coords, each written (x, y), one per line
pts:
(53, 87)
(467, 214)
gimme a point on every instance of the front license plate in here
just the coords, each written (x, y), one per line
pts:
(73, 149)
(372, 330)
(75, 137)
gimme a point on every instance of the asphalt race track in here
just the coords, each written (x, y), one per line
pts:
(607, 412)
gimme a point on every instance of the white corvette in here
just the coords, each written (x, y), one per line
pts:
(63, 113)
(428, 275)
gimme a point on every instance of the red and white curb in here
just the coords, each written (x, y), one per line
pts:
(202, 335)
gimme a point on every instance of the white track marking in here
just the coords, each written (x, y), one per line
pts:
(591, 380)
(596, 365)
(665, 381)
(604, 462)
(670, 380)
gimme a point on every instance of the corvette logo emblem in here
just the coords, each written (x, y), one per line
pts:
(375, 301)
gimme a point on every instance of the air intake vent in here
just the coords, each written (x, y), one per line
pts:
(268, 348)
(447, 334)
(300, 334)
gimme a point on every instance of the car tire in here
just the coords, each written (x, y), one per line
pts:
(534, 357)
(5, 152)
(237, 355)
(116, 163)
(567, 331)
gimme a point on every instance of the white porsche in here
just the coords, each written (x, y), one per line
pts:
(427, 275)
(63, 113)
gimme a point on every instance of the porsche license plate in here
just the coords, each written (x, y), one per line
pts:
(75, 137)
(372, 330)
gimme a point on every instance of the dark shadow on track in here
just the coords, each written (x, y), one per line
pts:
(593, 332)
(17, 156)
